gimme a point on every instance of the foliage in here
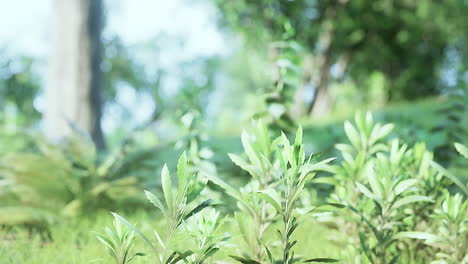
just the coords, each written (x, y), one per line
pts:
(287, 75)
(452, 234)
(296, 173)
(19, 85)
(255, 216)
(413, 40)
(444, 226)
(205, 230)
(287, 171)
(453, 128)
(391, 192)
(387, 186)
(67, 180)
(401, 203)
(450, 238)
(177, 208)
(118, 242)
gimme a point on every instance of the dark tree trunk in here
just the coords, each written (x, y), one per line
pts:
(73, 90)
(95, 25)
(321, 103)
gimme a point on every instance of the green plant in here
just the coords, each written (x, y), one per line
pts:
(67, 180)
(255, 215)
(420, 165)
(462, 149)
(296, 172)
(388, 192)
(279, 99)
(177, 207)
(366, 140)
(119, 242)
(453, 127)
(274, 165)
(450, 238)
(381, 183)
(205, 230)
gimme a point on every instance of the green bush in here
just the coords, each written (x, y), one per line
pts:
(39, 187)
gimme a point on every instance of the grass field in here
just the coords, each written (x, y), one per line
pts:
(74, 242)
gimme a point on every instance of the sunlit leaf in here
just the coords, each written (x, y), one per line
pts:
(156, 202)
(411, 199)
(166, 182)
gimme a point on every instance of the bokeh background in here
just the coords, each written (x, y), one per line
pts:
(95, 95)
(158, 60)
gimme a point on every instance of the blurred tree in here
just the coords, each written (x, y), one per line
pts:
(405, 40)
(73, 90)
(19, 85)
(121, 67)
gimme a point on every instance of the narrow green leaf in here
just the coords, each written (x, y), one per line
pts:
(411, 199)
(249, 149)
(365, 246)
(244, 260)
(244, 165)
(319, 166)
(377, 186)
(461, 149)
(208, 254)
(171, 257)
(272, 198)
(298, 140)
(449, 175)
(366, 191)
(106, 241)
(167, 187)
(200, 207)
(156, 202)
(322, 260)
(287, 149)
(229, 190)
(281, 158)
(416, 235)
(270, 256)
(138, 232)
(182, 174)
(181, 256)
(374, 230)
(394, 259)
(404, 185)
(352, 134)
(328, 207)
(158, 237)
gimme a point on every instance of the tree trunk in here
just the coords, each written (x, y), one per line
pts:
(73, 89)
(321, 103)
(298, 107)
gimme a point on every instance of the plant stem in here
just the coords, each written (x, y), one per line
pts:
(170, 231)
(260, 220)
(288, 221)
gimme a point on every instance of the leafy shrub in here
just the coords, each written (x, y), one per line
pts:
(383, 184)
(179, 205)
(400, 210)
(279, 173)
(449, 240)
(255, 215)
(65, 180)
(119, 242)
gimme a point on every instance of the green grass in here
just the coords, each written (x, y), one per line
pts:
(73, 241)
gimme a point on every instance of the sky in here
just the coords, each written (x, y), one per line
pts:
(24, 24)
(24, 28)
